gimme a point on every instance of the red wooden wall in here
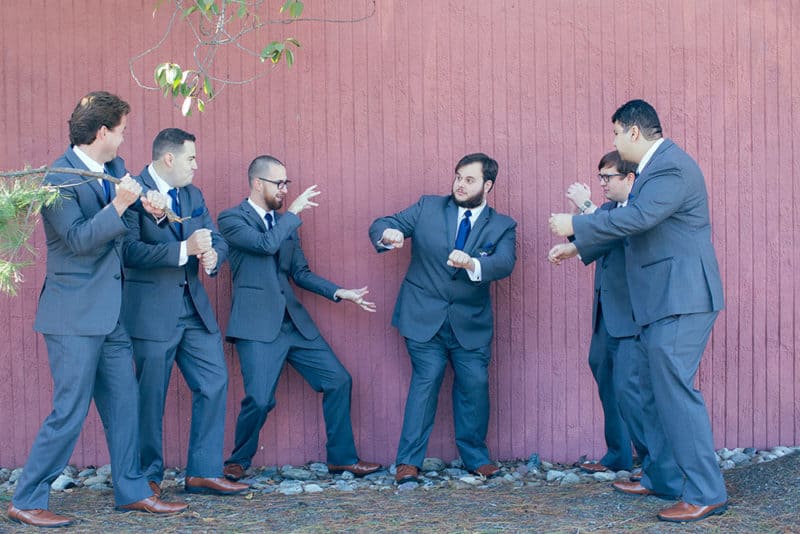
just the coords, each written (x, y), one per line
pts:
(376, 113)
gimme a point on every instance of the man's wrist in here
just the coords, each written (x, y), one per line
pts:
(585, 205)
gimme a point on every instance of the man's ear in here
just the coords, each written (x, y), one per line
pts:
(488, 185)
(169, 159)
(635, 133)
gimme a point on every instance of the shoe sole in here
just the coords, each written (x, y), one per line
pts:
(208, 491)
(120, 509)
(651, 494)
(357, 475)
(715, 511)
(60, 525)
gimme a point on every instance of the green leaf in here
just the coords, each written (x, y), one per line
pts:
(186, 108)
(207, 87)
(201, 106)
(289, 57)
(286, 5)
(296, 10)
(189, 10)
(242, 11)
(293, 41)
(214, 8)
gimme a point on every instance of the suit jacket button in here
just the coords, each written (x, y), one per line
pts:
(116, 277)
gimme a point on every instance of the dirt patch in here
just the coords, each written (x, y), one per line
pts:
(763, 498)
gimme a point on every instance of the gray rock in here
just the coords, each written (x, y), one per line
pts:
(96, 479)
(455, 472)
(407, 486)
(377, 475)
(570, 478)
(457, 463)
(319, 469)
(290, 487)
(554, 474)
(534, 461)
(63, 482)
(104, 470)
(725, 454)
(471, 480)
(347, 475)
(432, 474)
(296, 473)
(98, 487)
(769, 457)
(750, 451)
(15, 474)
(739, 458)
(312, 488)
(516, 475)
(606, 476)
(342, 485)
(547, 466)
(623, 474)
(71, 471)
(433, 464)
(170, 474)
(88, 472)
(727, 464)
(781, 451)
(522, 469)
(269, 489)
(5, 474)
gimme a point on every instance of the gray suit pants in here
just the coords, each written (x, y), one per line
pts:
(199, 356)
(470, 398)
(85, 368)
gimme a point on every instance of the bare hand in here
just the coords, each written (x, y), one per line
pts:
(304, 200)
(561, 252)
(199, 242)
(561, 224)
(128, 191)
(356, 296)
(154, 203)
(209, 259)
(578, 193)
(461, 260)
(393, 238)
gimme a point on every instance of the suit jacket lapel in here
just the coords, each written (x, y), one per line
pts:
(477, 228)
(450, 216)
(150, 183)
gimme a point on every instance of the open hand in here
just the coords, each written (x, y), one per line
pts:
(356, 296)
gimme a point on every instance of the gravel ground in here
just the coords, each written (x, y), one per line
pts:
(764, 497)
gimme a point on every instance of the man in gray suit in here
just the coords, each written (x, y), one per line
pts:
(614, 345)
(444, 310)
(270, 326)
(169, 317)
(78, 314)
(674, 278)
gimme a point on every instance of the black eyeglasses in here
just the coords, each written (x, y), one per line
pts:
(605, 178)
(281, 184)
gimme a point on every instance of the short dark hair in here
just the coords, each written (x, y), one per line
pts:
(95, 110)
(641, 114)
(489, 166)
(259, 165)
(613, 159)
(170, 140)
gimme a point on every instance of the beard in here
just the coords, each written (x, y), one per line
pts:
(274, 203)
(470, 202)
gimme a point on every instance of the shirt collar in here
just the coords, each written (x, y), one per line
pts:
(163, 187)
(474, 215)
(91, 164)
(648, 155)
(261, 211)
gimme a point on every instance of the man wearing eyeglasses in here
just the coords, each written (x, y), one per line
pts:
(674, 278)
(170, 318)
(444, 309)
(270, 326)
(614, 352)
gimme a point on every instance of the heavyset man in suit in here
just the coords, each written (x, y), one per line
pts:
(78, 314)
(614, 348)
(444, 310)
(270, 326)
(674, 280)
(169, 317)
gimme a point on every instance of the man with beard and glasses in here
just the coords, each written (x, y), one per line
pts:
(444, 309)
(270, 326)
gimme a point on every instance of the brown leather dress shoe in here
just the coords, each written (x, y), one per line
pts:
(359, 469)
(154, 505)
(593, 467)
(488, 470)
(213, 486)
(683, 512)
(233, 472)
(406, 473)
(38, 517)
(636, 488)
(155, 487)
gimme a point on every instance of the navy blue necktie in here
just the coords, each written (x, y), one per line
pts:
(176, 207)
(268, 217)
(463, 231)
(106, 186)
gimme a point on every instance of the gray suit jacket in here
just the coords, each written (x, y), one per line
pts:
(82, 291)
(431, 291)
(670, 260)
(154, 283)
(611, 295)
(262, 262)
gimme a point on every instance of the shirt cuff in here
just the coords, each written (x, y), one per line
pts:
(382, 245)
(475, 274)
(184, 257)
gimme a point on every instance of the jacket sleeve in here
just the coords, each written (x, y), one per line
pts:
(241, 235)
(501, 263)
(140, 255)
(305, 278)
(405, 221)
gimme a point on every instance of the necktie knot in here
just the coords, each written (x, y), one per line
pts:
(268, 218)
